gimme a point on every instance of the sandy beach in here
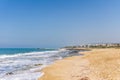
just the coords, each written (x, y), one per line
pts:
(97, 64)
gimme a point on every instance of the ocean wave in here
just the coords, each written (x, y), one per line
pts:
(26, 54)
(23, 76)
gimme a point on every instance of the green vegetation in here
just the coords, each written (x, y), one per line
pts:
(111, 45)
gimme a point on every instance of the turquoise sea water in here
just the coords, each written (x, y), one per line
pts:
(11, 51)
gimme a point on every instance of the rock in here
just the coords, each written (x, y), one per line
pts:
(9, 73)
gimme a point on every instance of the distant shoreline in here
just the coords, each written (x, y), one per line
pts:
(99, 45)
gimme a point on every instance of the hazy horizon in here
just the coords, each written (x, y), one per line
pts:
(58, 23)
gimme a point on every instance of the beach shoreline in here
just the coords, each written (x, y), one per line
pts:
(97, 64)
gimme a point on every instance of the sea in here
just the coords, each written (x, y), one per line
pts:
(26, 63)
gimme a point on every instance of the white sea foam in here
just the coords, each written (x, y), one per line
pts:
(27, 54)
(23, 76)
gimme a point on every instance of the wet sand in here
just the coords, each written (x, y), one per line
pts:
(97, 64)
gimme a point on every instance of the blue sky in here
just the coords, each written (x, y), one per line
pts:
(57, 23)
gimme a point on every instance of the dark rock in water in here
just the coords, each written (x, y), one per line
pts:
(38, 64)
(9, 73)
(74, 51)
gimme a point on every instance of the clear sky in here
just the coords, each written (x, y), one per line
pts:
(56, 23)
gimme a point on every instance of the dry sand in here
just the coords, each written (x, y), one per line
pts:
(97, 64)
